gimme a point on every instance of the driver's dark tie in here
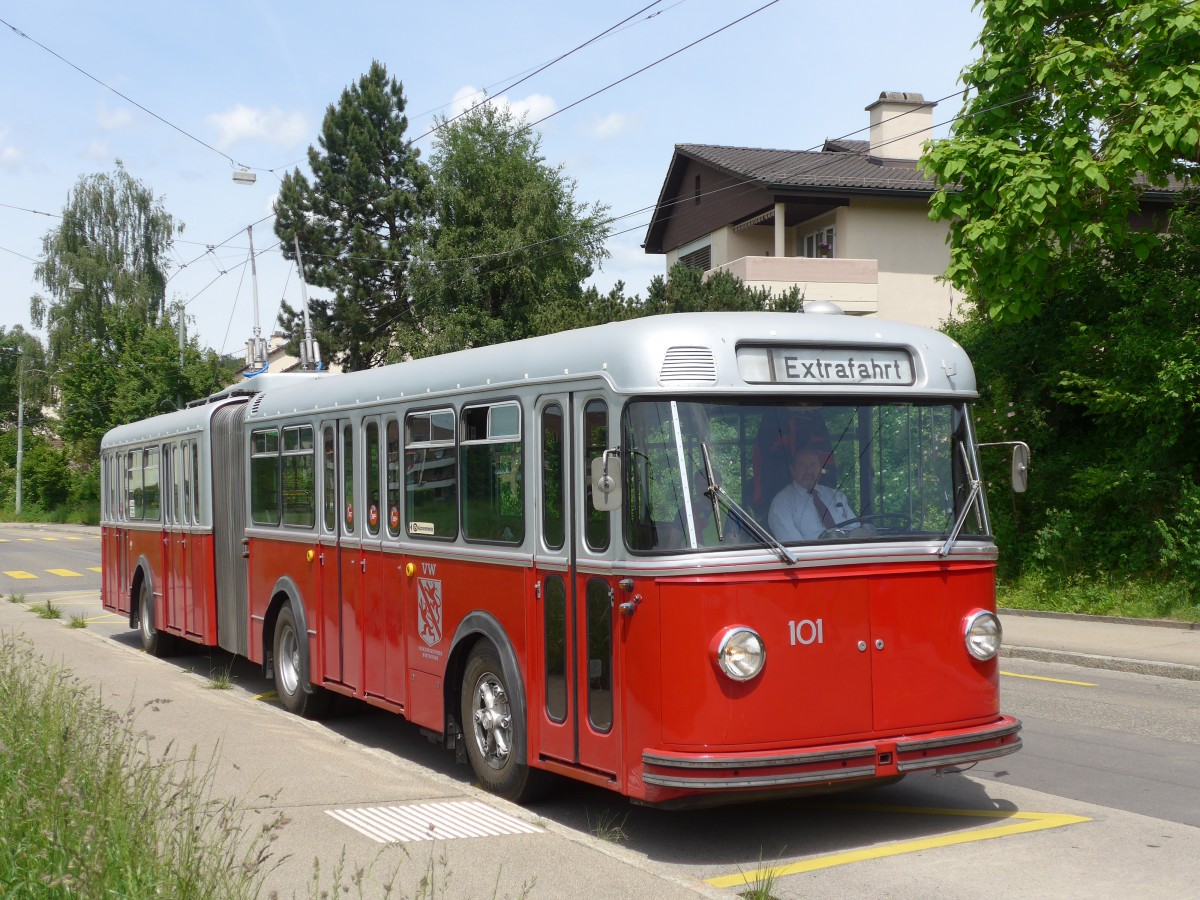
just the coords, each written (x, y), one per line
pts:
(822, 509)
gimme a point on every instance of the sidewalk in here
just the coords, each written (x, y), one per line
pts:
(321, 782)
(1167, 649)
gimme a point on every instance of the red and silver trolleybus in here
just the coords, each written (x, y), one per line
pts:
(690, 558)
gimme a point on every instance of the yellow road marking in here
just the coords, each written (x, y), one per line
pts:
(1026, 822)
(95, 569)
(17, 573)
(1055, 680)
(49, 539)
(266, 695)
(65, 573)
(25, 540)
(103, 617)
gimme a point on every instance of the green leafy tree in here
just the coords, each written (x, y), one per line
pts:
(1073, 111)
(22, 373)
(684, 290)
(356, 222)
(1105, 387)
(508, 244)
(105, 312)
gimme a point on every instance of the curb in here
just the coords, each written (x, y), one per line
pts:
(1087, 617)
(1112, 663)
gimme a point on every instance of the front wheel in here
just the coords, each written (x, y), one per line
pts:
(289, 661)
(490, 726)
(154, 642)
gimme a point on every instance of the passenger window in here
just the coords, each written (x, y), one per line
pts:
(393, 478)
(329, 479)
(493, 505)
(264, 477)
(371, 439)
(299, 477)
(348, 479)
(431, 474)
(150, 489)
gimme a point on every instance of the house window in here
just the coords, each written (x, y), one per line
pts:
(698, 259)
(819, 244)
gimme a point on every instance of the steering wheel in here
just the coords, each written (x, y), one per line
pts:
(899, 522)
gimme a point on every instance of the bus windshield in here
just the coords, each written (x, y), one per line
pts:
(717, 474)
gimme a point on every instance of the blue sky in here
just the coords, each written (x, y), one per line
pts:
(253, 80)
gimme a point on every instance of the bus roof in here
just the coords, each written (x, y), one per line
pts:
(691, 352)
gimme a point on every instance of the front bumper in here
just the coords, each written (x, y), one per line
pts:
(668, 775)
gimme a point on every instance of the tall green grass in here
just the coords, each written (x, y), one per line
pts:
(1102, 595)
(87, 809)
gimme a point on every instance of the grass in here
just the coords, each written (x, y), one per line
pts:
(221, 679)
(48, 611)
(78, 620)
(16, 598)
(1102, 595)
(87, 809)
(607, 828)
(764, 887)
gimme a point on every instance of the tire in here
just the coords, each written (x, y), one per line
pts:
(489, 729)
(156, 643)
(290, 662)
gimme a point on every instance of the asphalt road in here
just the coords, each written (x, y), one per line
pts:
(1103, 801)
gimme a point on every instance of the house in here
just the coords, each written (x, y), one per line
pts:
(847, 223)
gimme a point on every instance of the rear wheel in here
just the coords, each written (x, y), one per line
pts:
(154, 642)
(490, 726)
(290, 661)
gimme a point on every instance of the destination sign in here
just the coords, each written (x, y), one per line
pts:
(825, 365)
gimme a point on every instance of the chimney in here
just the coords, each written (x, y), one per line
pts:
(901, 121)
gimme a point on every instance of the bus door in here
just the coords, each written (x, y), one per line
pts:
(382, 620)
(576, 713)
(175, 580)
(341, 556)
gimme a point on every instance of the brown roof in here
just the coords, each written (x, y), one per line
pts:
(848, 166)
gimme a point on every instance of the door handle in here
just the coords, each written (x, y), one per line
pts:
(245, 548)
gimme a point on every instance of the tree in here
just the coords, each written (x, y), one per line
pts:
(507, 240)
(1105, 387)
(1073, 110)
(357, 220)
(22, 374)
(106, 315)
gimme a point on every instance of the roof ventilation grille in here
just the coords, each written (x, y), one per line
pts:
(688, 366)
(256, 402)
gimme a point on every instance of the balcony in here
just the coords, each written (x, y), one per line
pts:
(853, 284)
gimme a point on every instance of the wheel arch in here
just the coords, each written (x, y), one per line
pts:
(142, 572)
(481, 626)
(286, 593)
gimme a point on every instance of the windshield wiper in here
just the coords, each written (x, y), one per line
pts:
(715, 493)
(976, 489)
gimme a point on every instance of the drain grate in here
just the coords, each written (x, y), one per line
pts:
(431, 822)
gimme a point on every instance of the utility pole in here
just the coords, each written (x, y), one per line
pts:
(20, 423)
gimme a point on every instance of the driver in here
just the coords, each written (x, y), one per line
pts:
(804, 509)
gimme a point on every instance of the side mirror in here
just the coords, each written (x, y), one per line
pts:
(606, 481)
(1020, 467)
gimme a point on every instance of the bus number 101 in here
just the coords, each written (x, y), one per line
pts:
(806, 631)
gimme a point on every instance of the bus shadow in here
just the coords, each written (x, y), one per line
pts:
(749, 836)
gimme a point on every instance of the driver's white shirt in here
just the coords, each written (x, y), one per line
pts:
(794, 517)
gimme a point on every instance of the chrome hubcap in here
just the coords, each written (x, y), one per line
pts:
(492, 721)
(289, 661)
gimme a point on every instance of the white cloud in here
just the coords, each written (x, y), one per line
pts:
(98, 150)
(10, 156)
(244, 123)
(532, 108)
(611, 126)
(115, 119)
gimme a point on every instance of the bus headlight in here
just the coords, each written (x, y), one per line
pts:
(740, 653)
(983, 635)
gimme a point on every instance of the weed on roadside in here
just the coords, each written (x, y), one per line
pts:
(48, 611)
(221, 679)
(763, 887)
(607, 828)
(78, 620)
(16, 598)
